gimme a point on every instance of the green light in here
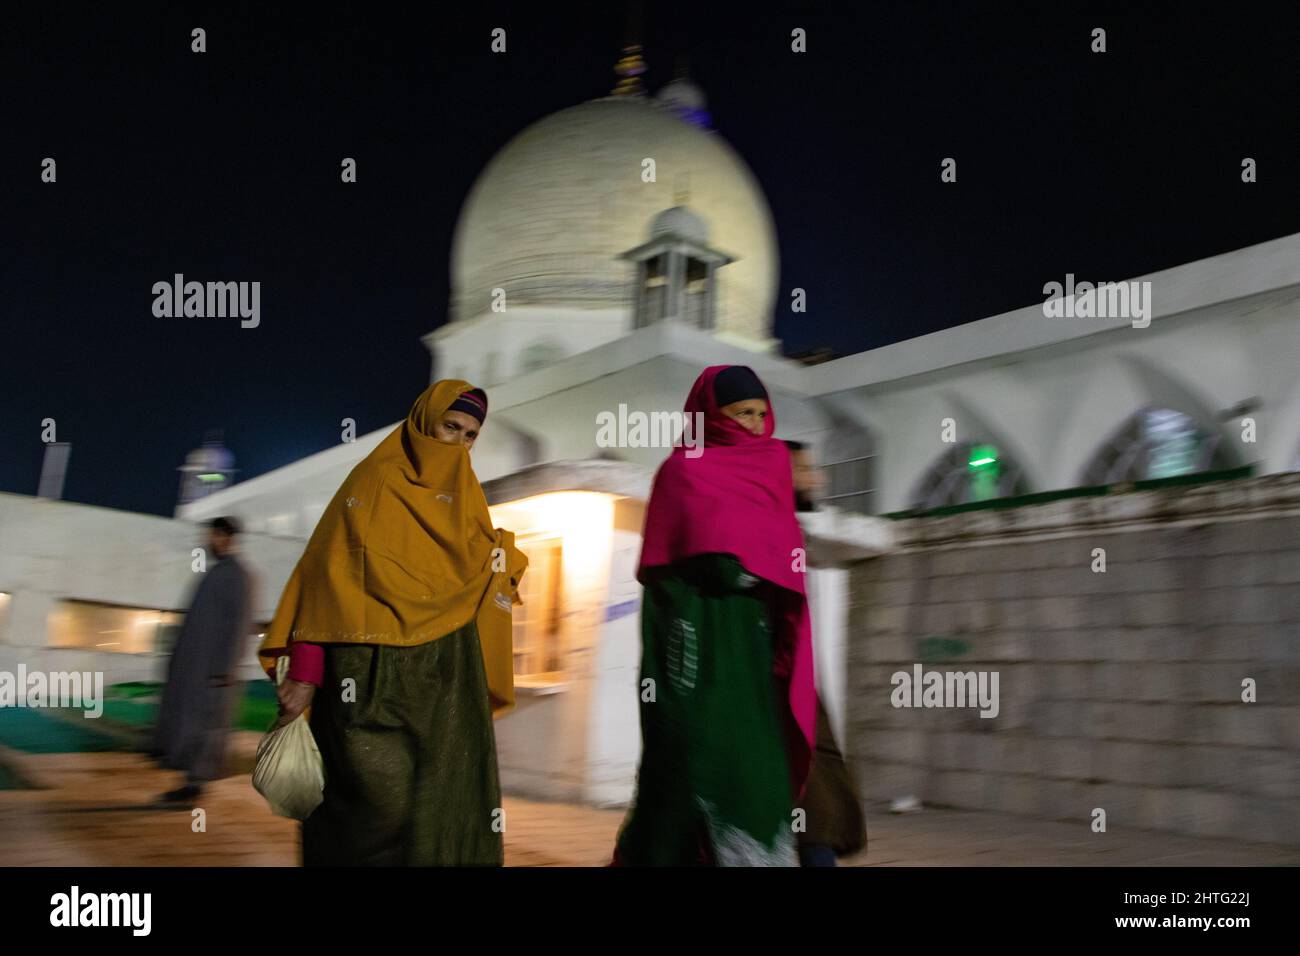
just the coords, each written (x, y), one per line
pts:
(982, 455)
(985, 472)
(213, 477)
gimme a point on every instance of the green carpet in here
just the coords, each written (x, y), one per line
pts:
(129, 714)
(136, 705)
(39, 732)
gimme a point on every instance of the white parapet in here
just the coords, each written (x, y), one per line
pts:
(835, 537)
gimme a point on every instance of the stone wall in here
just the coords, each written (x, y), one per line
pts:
(1119, 690)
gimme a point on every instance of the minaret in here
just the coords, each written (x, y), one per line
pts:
(207, 469)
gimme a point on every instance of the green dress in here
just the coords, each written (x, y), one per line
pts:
(714, 782)
(410, 766)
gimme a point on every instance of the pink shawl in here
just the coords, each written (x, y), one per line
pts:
(737, 497)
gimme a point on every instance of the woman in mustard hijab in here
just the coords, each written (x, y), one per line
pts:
(397, 624)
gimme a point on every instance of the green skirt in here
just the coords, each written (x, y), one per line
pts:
(410, 758)
(713, 787)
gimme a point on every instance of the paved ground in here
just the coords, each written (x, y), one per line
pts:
(96, 810)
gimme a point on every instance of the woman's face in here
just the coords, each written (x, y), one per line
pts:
(456, 428)
(751, 414)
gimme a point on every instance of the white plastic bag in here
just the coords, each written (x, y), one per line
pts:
(290, 773)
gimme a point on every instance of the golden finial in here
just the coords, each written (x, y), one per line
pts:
(629, 69)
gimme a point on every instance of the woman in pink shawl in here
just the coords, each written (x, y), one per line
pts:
(727, 703)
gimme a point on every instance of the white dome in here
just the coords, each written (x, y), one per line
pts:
(550, 214)
(680, 221)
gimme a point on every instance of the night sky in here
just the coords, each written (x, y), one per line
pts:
(225, 166)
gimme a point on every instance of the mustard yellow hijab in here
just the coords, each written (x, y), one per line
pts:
(405, 553)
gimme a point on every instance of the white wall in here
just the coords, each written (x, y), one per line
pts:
(1053, 408)
(58, 550)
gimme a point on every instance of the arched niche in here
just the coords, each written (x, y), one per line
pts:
(968, 472)
(1130, 422)
(1157, 443)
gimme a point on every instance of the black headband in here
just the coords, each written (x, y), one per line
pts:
(473, 402)
(737, 383)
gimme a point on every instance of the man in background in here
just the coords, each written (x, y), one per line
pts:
(201, 691)
(835, 825)
(808, 479)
